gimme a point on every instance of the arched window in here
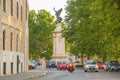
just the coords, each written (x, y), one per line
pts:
(17, 43)
(4, 5)
(11, 7)
(17, 10)
(11, 41)
(4, 41)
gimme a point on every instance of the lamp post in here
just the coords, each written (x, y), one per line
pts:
(43, 62)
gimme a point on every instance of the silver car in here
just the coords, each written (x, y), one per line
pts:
(112, 65)
(91, 65)
(31, 65)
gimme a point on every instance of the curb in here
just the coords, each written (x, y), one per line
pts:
(35, 76)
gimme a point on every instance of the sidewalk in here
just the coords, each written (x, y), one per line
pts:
(24, 76)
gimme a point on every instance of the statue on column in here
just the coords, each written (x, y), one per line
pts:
(57, 13)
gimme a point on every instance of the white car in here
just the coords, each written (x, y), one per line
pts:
(91, 65)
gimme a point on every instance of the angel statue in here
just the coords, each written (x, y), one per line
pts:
(57, 13)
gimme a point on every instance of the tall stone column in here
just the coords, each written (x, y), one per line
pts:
(58, 45)
(0, 37)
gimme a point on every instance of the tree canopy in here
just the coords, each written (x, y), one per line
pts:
(93, 27)
(41, 25)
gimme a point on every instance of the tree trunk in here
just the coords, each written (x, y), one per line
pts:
(37, 54)
(88, 57)
(104, 57)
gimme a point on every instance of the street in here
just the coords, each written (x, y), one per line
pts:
(79, 74)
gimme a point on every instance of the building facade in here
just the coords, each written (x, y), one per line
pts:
(14, 36)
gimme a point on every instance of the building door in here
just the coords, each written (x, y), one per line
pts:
(18, 61)
(21, 67)
(4, 68)
(11, 67)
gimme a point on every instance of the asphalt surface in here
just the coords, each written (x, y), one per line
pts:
(79, 74)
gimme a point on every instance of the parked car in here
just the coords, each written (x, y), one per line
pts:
(62, 65)
(51, 64)
(112, 65)
(33, 61)
(100, 65)
(31, 65)
(91, 65)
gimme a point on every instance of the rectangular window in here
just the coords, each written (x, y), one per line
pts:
(21, 13)
(4, 68)
(11, 41)
(4, 39)
(26, 9)
(11, 7)
(17, 11)
(17, 43)
(4, 5)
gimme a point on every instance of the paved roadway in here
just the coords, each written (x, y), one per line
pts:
(79, 74)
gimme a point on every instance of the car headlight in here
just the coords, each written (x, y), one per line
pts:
(87, 66)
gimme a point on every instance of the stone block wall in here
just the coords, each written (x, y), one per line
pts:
(11, 63)
(14, 38)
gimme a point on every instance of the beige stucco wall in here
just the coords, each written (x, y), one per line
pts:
(17, 27)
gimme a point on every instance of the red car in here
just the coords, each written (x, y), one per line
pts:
(100, 65)
(62, 65)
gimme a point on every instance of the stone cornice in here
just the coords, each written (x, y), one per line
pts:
(3, 21)
(10, 52)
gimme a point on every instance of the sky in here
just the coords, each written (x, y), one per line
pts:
(48, 5)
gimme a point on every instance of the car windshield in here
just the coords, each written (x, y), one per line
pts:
(32, 61)
(99, 62)
(52, 62)
(63, 62)
(114, 63)
(90, 62)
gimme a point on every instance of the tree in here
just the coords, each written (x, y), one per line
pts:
(93, 26)
(41, 25)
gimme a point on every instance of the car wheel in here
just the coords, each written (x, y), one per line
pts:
(85, 70)
(106, 69)
(117, 70)
(110, 69)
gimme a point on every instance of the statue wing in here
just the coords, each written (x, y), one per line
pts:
(59, 11)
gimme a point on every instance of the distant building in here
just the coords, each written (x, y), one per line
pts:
(14, 36)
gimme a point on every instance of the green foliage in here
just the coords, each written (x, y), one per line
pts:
(93, 27)
(41, 25)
